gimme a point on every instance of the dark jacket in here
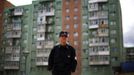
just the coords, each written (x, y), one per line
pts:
(62, 58)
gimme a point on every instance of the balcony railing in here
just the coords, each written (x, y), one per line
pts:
(11, 49)
(99, 63)
(93, 26)
(41, 30)
(99, 44)
(50, 13)
(131, 54)
(40, 38)
(16, 34)
(18, 11)
(11, 67)
(103, 34)
(39, 46)
(41, 63)
(98, 17)
(49, 44)
(42, 54)
(95, 1)
(99, 53)
(13, 59)
(8, 50)
(17, 27)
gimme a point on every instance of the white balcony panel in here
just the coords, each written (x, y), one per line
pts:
(99, 44)
(16, 34)
(93, 9)
(11, 67)
(49, 13)
(98, 17)
(41, 63)
(99, 63)
(99, 53)
(49, 44)
(95, 1)
(130, 53)
(13, 59)
(104, 52)
(93, 26)
(41, 38)
(18, 13)
(39, 46)
(42, 54)
(41, 30)
(103, 34)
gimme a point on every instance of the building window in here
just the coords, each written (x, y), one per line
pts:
(113, 40)
(112, 23)
(75, 34)
(57, 19)
(85, 17)
(103, 21)
(67, 26)
(114, 59)
(67, 10)
(75, 1)
(75, 26)
(75, 43)
(75, 17)
(93, 14)
(113, 32)
(67, 2)
(41, 18)
(75, 9)
(93, 5)
(113, 14)
(94, 22)
(67, 17)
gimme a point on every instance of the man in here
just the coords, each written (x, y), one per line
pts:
(62, 57)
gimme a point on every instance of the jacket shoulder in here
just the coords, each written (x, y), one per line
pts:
(70, 46)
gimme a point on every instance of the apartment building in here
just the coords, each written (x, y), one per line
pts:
(105, 37)
(16, 39)
(3, 5)
(43, 35)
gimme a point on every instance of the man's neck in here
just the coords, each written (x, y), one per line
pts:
(63, 44)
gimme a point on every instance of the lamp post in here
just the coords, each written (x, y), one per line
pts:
(25, 53)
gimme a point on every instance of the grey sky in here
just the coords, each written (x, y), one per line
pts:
(127, 18)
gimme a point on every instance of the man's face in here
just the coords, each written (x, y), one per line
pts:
(63, 39)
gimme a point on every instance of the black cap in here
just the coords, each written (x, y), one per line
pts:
(63, 33)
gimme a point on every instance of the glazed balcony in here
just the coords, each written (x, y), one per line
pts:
(16, 26)
(96, 1)
(18, 12)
